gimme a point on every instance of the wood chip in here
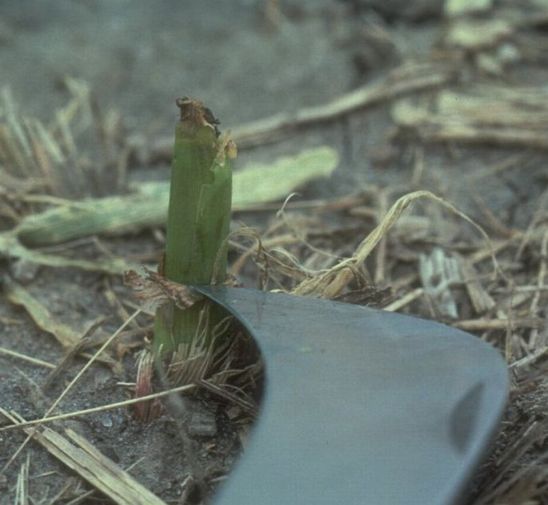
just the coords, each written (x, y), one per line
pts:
(438, 272)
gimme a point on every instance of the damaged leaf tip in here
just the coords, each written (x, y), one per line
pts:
(195, 114)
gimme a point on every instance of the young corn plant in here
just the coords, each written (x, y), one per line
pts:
(197, 230)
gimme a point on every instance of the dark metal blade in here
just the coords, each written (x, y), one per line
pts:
(362, 406)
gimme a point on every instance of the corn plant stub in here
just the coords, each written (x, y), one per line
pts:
(198, 220)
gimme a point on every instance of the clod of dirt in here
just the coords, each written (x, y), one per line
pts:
(202, 424)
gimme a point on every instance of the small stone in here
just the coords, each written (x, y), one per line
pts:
(234, 412)
(101, 377)
(106, 421)
(202, 424)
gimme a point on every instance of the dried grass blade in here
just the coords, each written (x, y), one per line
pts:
(18, 295)
(10, 247)
(332, 282)
(101, 472)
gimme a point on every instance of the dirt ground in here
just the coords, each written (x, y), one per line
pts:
(474, 137)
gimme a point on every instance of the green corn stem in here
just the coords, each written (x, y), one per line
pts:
(197, 228)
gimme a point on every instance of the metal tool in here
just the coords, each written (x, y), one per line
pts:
(361, 406)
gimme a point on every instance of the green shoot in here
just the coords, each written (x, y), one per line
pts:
(198, 224)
